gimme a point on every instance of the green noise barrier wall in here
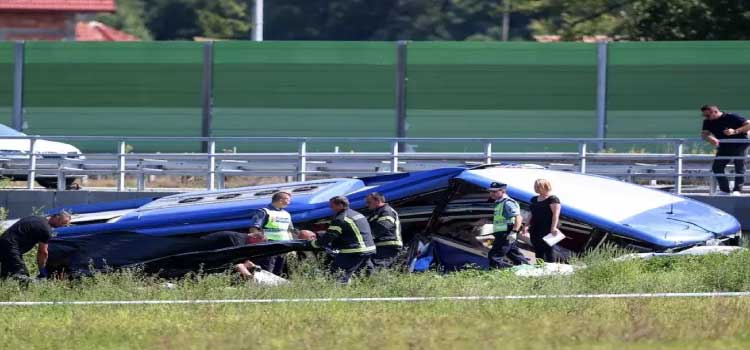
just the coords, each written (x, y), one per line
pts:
(348, 89)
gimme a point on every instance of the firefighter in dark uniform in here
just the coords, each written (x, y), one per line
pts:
(386, 230)
(20, 237)
(348, 234)
(506, 225)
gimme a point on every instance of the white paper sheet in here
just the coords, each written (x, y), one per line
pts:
(552, 239)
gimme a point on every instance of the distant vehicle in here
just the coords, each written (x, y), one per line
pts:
(448, 205)
(18, 150)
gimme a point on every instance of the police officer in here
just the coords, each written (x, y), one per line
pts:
(349, 234)
(24, 235)
(275, 224)
(506, 224)
(386, 230)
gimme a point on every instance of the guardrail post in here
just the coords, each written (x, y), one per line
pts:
(211, 175)
(394, 157)
(678, 166)
(219, 180)
(61, 175)
(19, 60)
(302, 161)
(121, 166)
(141, 181)
(488, 153)
(582, 157)
(31, 178)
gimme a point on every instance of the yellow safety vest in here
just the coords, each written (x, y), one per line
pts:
(277, 227)
(499, 221)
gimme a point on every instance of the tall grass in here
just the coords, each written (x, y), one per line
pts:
(602, 274)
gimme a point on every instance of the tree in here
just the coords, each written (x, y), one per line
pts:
(689, 20)
(387, 20)
(186, 19)
(572, 19)
(223, 19)
(129, 17)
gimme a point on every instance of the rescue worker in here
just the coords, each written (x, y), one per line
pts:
(275, 224)
(386, 230)
(20, 237)
(506, 224)
(349, 234)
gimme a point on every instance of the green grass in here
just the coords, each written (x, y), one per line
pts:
(688, 323)
(521, 325)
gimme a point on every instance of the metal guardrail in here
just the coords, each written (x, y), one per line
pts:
(301, 164)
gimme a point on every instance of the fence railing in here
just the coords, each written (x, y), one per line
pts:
(672, 167)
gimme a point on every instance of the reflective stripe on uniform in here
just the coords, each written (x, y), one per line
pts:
(335, 229)
(398, 232)
(387, 218)
(357, 250)
(355, 229)
(388, 243)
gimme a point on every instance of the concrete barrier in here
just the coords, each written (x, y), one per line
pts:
(23, 202)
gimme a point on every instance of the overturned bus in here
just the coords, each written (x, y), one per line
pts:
(446, 206)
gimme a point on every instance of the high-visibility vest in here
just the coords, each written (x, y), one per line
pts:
(277, 225)
(499, 221)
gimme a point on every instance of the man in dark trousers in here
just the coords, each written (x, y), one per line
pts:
(506, 224)
(386, 230)
(24, 235)
(349, 234)
(719, 127)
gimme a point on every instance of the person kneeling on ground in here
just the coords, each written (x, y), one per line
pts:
(21, 237)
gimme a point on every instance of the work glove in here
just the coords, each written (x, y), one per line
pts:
(43, 273)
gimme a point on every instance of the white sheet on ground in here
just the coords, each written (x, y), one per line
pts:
(266, 278)
(548, 269)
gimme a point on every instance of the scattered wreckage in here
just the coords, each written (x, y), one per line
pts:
(442, 212)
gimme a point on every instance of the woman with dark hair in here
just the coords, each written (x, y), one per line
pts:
(544, 219)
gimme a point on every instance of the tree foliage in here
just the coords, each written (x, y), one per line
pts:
(129, 17)
(435, 19)
(572, 19)
(223, 19)
(689, 20)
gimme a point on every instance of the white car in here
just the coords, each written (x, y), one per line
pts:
(14, 154)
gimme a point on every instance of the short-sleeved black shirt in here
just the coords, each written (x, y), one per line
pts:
(26, 233)
(541, 215)
(726, 121)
